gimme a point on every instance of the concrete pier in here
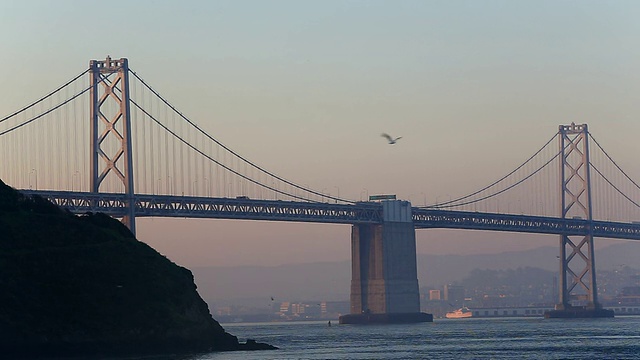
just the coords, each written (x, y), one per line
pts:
(578, 312)
(384, 280)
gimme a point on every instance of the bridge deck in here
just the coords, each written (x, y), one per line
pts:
(359, 213)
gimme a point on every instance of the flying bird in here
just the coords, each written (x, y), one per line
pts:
(390, 139)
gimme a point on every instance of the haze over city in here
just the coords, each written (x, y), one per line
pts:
(306, 88)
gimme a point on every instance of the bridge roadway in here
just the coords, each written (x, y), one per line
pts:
(359, 213)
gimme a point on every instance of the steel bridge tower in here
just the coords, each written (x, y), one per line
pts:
(577, 285)
(111, 150)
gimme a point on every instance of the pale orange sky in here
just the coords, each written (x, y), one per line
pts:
(234, 242)
(305, 88)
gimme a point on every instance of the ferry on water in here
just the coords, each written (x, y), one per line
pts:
(459, 314)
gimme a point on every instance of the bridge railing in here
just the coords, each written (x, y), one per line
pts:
(210, 207)
(447, 219)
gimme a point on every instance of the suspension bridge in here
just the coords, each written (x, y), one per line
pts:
(115, 145)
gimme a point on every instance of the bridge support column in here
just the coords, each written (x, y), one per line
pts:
(384, 285)
(111, 150)
(578, 293)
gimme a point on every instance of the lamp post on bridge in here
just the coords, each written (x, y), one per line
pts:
(273, 186)
(366, 192)
(35, 172)
(438, 197)
(338, 190)
(73, 180)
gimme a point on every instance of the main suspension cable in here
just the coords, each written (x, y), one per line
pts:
(494, 183)
(44, 113)
(43, 98)
(614, 163)
(449, 205)
(236, 154)
(613, 186)
(214, 160)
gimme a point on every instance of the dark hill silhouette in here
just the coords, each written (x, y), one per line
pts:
(83, 285)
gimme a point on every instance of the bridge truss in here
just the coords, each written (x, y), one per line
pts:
(359, 213)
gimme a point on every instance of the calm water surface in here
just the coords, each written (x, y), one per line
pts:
(515, 338)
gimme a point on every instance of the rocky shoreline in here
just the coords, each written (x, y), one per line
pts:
(84, 286)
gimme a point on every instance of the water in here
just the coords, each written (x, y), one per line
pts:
(516, 338)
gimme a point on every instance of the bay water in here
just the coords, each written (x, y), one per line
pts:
(498, 338)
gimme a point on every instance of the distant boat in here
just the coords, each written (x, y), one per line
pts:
(459, 314)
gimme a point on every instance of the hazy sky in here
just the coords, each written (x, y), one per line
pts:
(304, 88)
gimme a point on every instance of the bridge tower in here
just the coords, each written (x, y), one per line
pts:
(384, 277)
(578, 293)
(111, 151)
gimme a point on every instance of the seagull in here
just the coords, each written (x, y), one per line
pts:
(390, 139)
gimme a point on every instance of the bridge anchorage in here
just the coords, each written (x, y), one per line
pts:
(181, 171)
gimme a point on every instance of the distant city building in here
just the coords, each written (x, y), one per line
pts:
(338, 307)
(284, 307)
(225, 310)
(525, 311)
(454, 294)
(630, 295)
(323, 307)
(297, 309)
(434, 295)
